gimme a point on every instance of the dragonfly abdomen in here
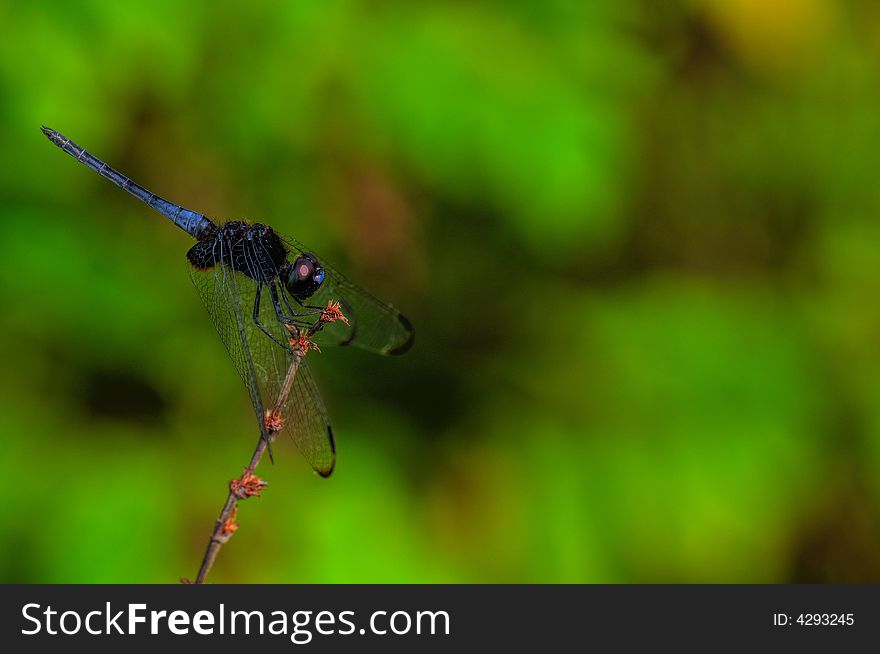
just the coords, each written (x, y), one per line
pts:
(192, 222)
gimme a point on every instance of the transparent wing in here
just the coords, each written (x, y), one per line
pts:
(374, 325)
(280, 383)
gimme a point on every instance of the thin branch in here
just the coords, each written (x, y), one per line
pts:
(226, 525)
(249, 485)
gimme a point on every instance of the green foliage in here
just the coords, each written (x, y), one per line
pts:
(638, 244)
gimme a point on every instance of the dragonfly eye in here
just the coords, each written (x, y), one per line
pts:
(304, 269)
(305, 276)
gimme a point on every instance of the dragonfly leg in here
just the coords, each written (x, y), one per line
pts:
(293, 319)
(310, 327)
(320, 309)
(286, 300)
(257, 317)
(314, 309)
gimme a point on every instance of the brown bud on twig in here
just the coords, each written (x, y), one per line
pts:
(248, 485)
(302, 344)
(332, 312)
(274, 421)
(229, 527)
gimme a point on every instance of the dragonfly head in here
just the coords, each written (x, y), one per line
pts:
(304, 276)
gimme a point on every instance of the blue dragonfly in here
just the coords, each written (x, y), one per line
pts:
(272, 301)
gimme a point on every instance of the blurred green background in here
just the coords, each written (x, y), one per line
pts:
(638, 241)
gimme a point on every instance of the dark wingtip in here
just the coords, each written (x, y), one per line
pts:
(328, 472)
(407, 345)
(332, 441)
(47, 131)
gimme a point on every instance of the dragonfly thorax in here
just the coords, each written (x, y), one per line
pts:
(254, 250)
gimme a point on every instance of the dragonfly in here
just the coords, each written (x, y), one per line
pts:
(272, 300)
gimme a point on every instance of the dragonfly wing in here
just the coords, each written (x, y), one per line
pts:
(374, 325)
(264, 364)
(217, 292)
(305, 418)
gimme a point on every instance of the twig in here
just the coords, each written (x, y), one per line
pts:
(249, 485)
(225, 525)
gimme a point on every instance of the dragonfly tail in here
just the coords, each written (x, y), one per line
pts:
(192, 222)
